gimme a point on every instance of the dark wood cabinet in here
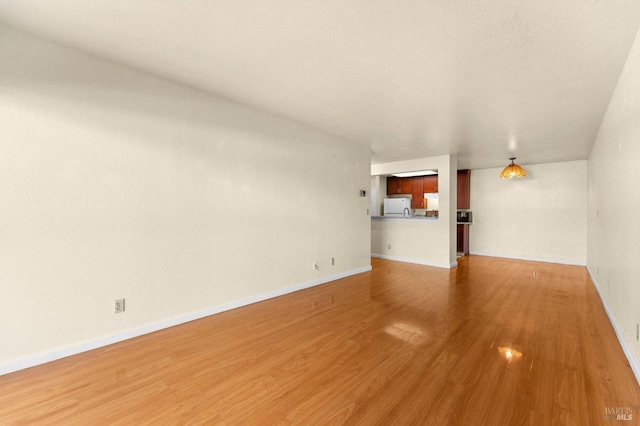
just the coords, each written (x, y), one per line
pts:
(405, 185)
(417, 193)
(464, 189)
(430, 183)
(393, 185)
(463, 239)
(464, 203)
(396, 185)
(416, 186)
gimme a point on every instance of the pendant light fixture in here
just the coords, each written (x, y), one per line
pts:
(512, 170)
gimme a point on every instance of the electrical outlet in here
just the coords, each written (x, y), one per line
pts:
(333, 261)
(119, 306)
(389, 246)
(316, 267)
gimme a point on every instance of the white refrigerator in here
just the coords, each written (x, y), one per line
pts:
(397, 207)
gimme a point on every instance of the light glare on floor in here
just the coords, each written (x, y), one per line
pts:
(510, 354)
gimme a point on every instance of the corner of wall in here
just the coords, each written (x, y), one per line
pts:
(634, 363)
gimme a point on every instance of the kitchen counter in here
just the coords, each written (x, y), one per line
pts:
(411, 219)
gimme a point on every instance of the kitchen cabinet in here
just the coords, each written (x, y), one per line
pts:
(396, 185)
(463, 239)
(416, 186)
(405, 185)
(430, 183)
(464, 189)
(393, 185)
(464, 203)
(417, 193)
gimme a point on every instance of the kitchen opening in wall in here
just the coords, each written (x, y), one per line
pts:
(419, 187)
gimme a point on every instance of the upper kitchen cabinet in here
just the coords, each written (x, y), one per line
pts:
(396, 185)
(405, 185)
(430, 183)
(417, 193)
(464, 189)
(393, 185)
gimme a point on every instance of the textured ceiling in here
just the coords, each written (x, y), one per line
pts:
(481, 79)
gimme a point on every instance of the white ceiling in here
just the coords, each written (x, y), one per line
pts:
(415, 78)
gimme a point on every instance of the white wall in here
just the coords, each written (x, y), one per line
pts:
(377, 194)
(614, 200)
(432, 243)
(414, 241)
(539, 217)
(115, 183)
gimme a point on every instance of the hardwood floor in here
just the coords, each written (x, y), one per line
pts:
(492, 342)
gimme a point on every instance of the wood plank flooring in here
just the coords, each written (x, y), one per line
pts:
(492, 342)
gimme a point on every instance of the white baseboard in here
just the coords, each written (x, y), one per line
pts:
(417, 262)
(532, 259)
(150, 328)
(633, 362)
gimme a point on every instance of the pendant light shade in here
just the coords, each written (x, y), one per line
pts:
(512, 170)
